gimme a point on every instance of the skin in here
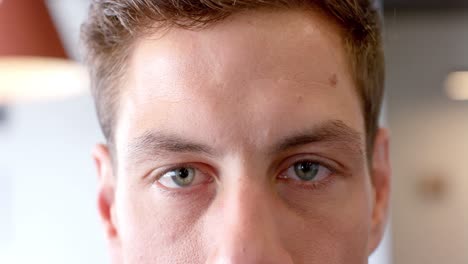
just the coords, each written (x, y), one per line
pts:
(242, 102)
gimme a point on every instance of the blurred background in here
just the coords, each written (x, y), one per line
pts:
(48, 128)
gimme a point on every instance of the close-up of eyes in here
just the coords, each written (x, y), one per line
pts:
(306, 171)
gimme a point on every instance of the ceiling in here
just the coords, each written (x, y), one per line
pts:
(425, 4)
(69, 14)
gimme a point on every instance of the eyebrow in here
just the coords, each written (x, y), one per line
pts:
(156, 143)
(333, 132)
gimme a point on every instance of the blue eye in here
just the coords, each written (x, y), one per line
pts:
(307, 171)
(183, 177)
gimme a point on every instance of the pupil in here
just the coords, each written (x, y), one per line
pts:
(183, 173)
(306, 167)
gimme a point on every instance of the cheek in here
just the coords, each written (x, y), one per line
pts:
(329, 226)
(156, 228)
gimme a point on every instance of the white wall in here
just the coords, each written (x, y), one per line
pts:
(429, 135)
(45, 159)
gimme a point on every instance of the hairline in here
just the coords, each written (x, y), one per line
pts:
(354, 60)
(160, 28)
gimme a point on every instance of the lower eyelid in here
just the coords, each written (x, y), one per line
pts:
(313, 186)
(318, 184)
(201, 177)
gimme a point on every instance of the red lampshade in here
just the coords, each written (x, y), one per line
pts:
(33, 63)
(26, 29)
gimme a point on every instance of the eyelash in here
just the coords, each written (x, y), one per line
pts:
(156, 175)
(314, 185)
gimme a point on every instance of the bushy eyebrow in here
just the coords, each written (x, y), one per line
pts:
(333, 131)
(155, 143)
(336, 132)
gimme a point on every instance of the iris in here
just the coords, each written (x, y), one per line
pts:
(306, 170)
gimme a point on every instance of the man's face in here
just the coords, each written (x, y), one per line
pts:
(244, 143)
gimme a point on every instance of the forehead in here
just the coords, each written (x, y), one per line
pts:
(270, 70)
(275, 45)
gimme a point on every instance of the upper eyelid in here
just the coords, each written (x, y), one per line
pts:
(168, 169)
(327, 163)
(330, 171)
(162, 171)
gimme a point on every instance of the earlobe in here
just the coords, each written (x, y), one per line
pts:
(106, 189)
(381, 175)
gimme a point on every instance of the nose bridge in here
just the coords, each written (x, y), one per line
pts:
(249, 231)
(248, 204)
(247, 212)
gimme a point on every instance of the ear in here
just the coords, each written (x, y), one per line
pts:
(381, 181)
(106, 191)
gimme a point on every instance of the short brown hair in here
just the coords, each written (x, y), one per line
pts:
(113, 25)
